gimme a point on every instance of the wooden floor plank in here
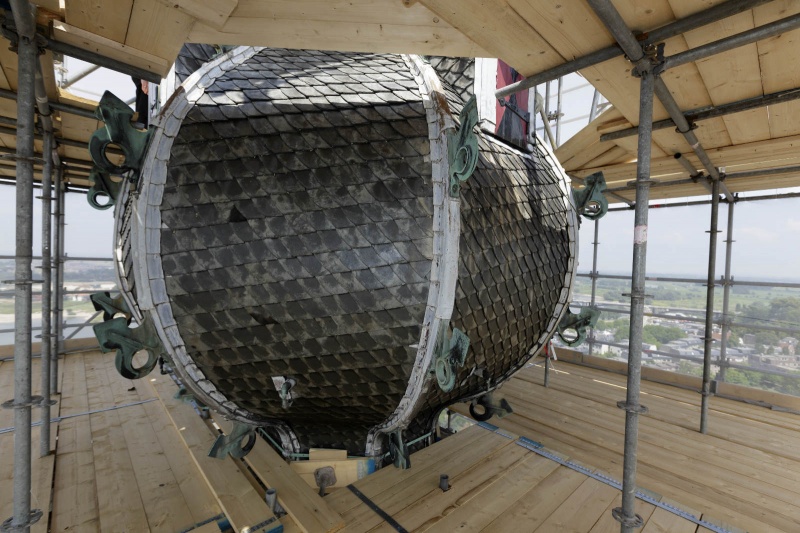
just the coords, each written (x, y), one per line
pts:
(75, 506)
(310, 511)
(740, 409)
(195, 490)
(582, 509)
(119, 498)
(164, 504)
(466, 490)
(386, 478)
(420, 482)
(528, 508)
(606, 523)
(771, 480)
(243, 506)
(662, 521)
(739, 485)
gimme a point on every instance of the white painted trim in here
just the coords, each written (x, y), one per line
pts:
(485, 87)
(444, 268)
(146, 239)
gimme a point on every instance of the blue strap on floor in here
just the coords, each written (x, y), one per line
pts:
(380, 512)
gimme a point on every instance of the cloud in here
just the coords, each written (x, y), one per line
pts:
(759, 234)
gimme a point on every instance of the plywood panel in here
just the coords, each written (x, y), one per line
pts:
(102, 17)
(485, 22)
(158, 29)
(347, 36)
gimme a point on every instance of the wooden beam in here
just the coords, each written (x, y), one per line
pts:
(500, 30)
(387, 36)
(241, 503)
(309, 511)
(102, 17)
(214, 14)
(72, 35)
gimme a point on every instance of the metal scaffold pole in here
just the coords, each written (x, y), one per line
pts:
(58, 292)
(22, 403)
(47, 280)
(726, 319)
(709, 334)
(595, 243)
(626, 514)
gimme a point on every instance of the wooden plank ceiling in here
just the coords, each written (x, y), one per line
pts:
(530, 35)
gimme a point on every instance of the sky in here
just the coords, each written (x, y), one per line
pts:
(765, 232)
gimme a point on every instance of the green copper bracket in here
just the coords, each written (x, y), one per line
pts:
(118, 131)
(111, 306)
(103, 187)
(590, 201)
(587, 318)
(485, 407)
(398, 450)
(115, 334)
(451, 352)
(185, 396)
(234, 444)
(462, 147)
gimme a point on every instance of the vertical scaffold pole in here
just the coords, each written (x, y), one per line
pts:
(709, 336)
(594, 277)
(58, 292)
(558, 111)
(626, 514)
(28, 53)
(47, 281)
(726, 292)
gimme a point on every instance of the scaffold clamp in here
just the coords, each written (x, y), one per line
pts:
(34, 516)
(632, 408)
(635, 521)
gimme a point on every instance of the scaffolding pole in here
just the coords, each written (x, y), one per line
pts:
(648, 80)
(58, 290)
(709, 335)
(27, 52)
(595, 243)
(558, 111)
(47, 281)
(726, 292)
(703, 18)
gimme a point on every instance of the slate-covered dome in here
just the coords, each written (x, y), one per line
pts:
(294, 224)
